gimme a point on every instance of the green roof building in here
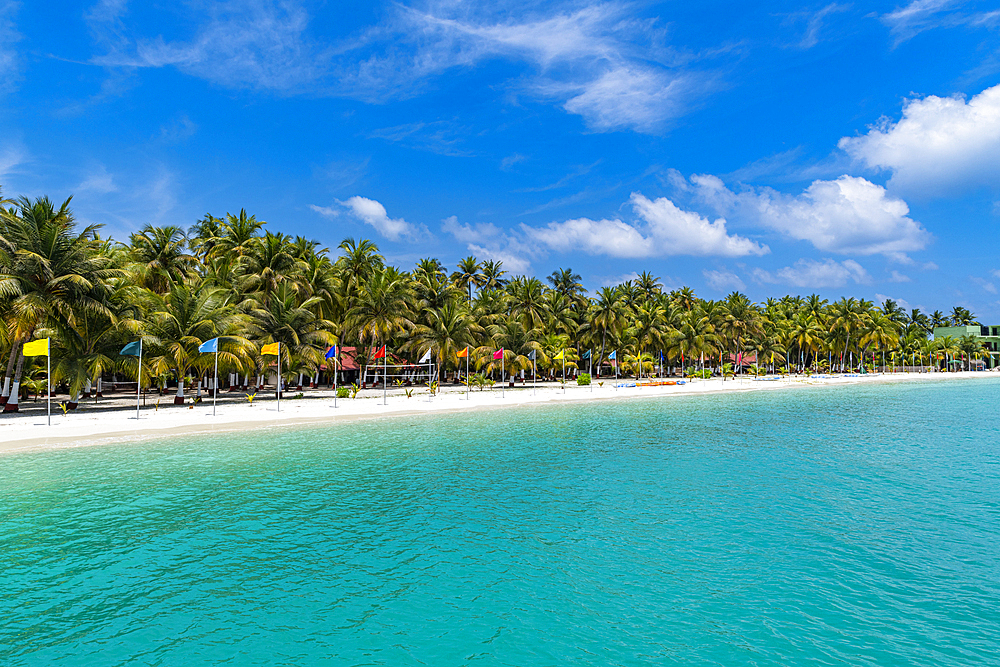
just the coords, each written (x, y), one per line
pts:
(989, 335)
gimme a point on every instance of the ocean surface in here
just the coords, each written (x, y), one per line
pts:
(828, 526)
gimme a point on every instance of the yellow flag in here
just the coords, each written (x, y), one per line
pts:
(559, 356)
(37, 348)
(270, 349)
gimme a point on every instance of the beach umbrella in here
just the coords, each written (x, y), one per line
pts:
(331, 353)
(135, 350)
(275, 349)
(39, 348)
(213, 346)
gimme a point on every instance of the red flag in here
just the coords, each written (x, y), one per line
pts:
(498, 354)
(464, 352)
(380, 353)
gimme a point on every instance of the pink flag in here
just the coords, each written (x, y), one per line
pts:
(498, 354)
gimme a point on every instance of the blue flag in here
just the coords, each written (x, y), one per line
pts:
(209, 346)
(332, 352)
(586, 355)
(613, 355)
(132, 349)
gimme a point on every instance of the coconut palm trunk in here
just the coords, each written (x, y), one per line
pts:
(15, 389)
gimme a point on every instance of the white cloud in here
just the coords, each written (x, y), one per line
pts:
(940, 144)
(178, 130)
(814, 274)
(475, 233)
(511, 160)
(897, 277)
(514, 262)
(604, 66)
(631, 98)
(258, 44)
(663, 229)
(10, 63)
(373, 213)
(902, 303)
(849, 215)
(920, 15)
(10, 158)
(486, 240)
(723, 281)
(985, 284)
(98, 181)
(596, 61)
(811, 36)
(326, 211)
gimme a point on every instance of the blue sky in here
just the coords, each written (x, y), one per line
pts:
(840, 148)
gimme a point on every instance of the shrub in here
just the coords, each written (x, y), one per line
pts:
(343, 392)
(583, 379)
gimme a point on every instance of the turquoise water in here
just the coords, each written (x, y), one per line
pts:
(853, 525)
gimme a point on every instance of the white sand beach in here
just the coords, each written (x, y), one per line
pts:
(114, 420)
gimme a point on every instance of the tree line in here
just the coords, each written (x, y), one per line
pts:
(230, 277)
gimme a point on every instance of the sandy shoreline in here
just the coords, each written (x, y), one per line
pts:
(29, 432)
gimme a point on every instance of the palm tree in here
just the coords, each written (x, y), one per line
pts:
(52, 274)
(185, 317)
(382, 308)
(468, 275)
(159, 257)
(446, 331)
(607, 315)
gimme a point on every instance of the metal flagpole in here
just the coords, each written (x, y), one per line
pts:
(385, 374)
(48, 380)
(279, 376)
(503, 375)
(590, 368)
(336, 356)
(468, 384)
(534, 376)
(138, 376)
(215, 389)
(564, 371)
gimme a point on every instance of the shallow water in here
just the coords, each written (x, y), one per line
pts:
(843, 525)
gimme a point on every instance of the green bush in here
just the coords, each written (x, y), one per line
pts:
(583, 379)
(343, 392)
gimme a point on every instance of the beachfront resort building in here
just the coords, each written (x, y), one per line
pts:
(989, 335)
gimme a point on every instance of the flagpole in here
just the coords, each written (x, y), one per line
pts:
(467, 383)
(215, 389)
(48, 381)
(590, 369)
(279, 376)
(534, 377)
(385, 374)
(503, 375)
(138, 382)
(564, 370)
(336, 357)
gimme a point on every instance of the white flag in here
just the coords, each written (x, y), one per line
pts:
(426, 357)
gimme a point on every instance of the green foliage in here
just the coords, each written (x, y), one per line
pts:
(228, 278)
(583, 379)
